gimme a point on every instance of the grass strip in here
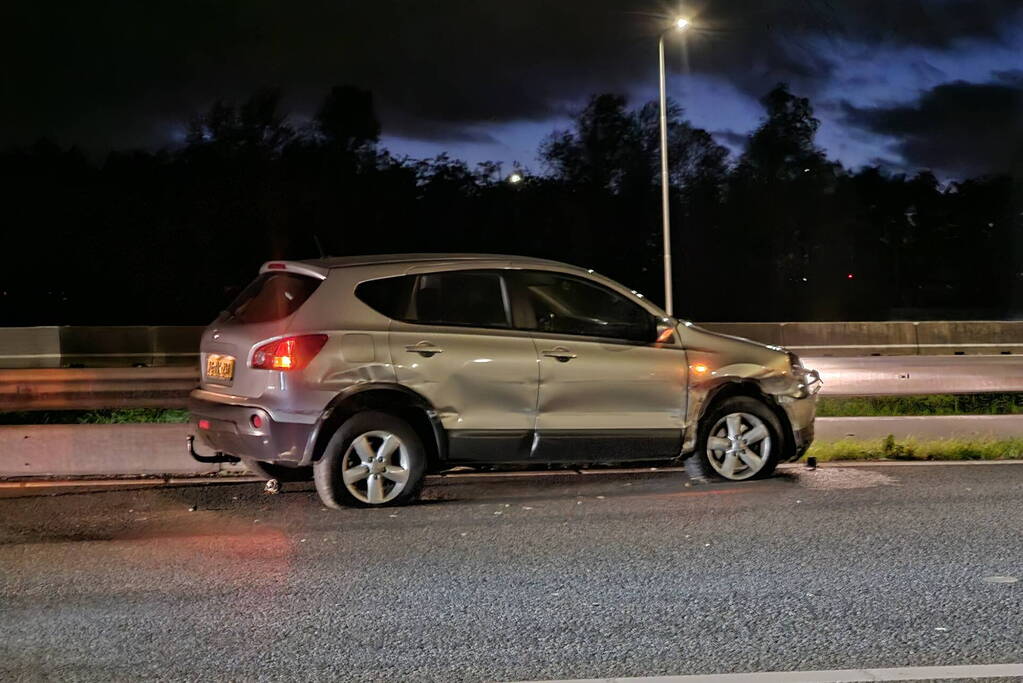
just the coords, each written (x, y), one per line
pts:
(79, 417)
(914, 449)
(933, 404)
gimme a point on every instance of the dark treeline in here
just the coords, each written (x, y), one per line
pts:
(779, 233)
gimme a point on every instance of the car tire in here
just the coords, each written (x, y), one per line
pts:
(373, 460)
(282, 473)
(724, 447)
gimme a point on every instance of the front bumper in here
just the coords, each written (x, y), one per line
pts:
(801, 413)
(803, 439)
(227, 428)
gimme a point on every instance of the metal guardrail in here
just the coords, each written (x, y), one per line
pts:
(168, 345)
(909, 375)
(98, 388)
(92, 388)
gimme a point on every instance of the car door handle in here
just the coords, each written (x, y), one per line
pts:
(424, 349)
(560, 353)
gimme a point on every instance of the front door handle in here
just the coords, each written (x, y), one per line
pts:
(560, 353)
(424, 349)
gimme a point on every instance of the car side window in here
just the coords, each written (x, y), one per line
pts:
(565, 304)
(461, 298)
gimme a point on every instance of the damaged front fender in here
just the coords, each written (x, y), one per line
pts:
(721, 366)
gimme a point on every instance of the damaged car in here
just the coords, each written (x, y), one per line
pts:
(366, 373)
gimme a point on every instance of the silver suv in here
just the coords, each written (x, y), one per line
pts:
(365, 373)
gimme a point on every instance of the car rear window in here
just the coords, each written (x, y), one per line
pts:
(272, 296)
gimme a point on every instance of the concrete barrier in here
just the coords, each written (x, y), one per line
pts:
(128, 345)
(851, 339)
(30, 347)
(830, 339)
(974, 337)
(98, 450)
(897, 338)
(765, 333)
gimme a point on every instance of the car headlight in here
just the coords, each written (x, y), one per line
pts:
(795, 364)
(809, 380)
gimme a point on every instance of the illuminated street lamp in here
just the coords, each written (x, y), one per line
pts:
(515, 178)
(679, 24)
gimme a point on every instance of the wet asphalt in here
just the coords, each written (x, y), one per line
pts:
(518, 578)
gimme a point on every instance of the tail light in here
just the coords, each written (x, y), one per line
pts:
(290, 353)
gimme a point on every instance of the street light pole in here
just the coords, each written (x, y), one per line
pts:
(665, 209)
(680, 25)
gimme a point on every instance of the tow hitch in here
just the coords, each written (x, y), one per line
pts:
(208, 459)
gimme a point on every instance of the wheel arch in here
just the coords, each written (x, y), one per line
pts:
(713, 395)
(393, 399)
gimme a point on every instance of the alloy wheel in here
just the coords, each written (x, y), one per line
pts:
(739, 445)
(375, 468)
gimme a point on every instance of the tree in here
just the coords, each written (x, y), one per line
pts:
(257, 126)
(347, 118)
(603, 152)
(782, 212)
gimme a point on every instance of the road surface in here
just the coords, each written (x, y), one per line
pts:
(518, 578)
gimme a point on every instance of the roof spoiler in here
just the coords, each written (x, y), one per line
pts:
(297, 267)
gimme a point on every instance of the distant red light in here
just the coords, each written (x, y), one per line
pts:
(257, 421)
(849, 276)
(276, 266)
(204, 424)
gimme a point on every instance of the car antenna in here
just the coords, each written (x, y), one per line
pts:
(319, 247)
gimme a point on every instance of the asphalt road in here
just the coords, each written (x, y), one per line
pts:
(517, 579)
(891, 375)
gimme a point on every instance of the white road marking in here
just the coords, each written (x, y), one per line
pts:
(906, 673)
(1000, 579)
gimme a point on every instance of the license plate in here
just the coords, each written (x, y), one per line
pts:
(220, 367)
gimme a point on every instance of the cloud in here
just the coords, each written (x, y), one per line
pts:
(957, 128)
(731, 138)
(102, 74)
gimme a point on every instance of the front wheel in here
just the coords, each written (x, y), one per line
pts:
(739, 439)
(374, 459)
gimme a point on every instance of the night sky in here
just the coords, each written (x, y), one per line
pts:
(903, 83)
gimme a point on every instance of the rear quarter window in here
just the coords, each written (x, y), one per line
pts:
(389, 296)
(272, 296)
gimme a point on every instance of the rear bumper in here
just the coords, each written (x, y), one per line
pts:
(227, 428)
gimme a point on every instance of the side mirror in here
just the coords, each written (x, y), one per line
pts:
(665, 331)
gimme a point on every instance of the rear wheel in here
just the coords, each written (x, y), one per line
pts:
(740, 438)
(373, 460)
